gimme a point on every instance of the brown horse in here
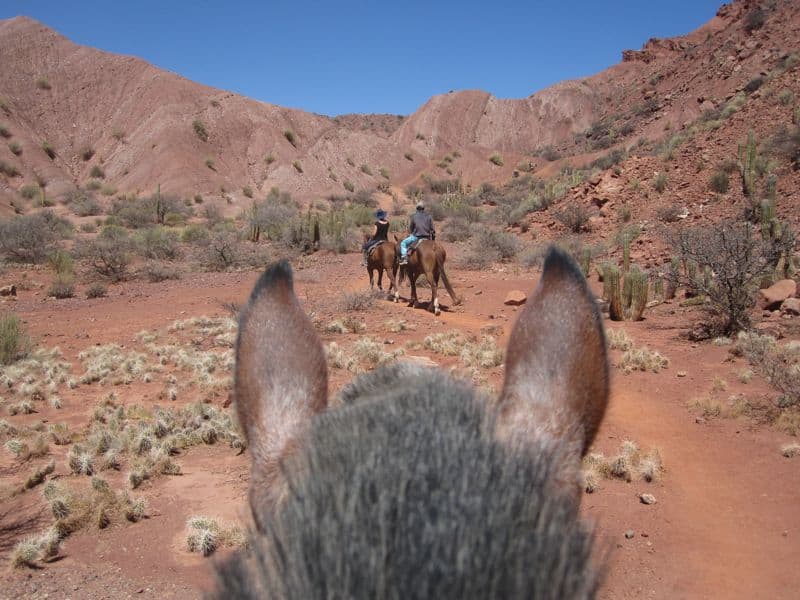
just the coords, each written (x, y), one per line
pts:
(383, 257)
(428, 259)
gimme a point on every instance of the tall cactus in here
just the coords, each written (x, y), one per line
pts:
(626, 253)
(586, 260)
(748, 157)
(612, 292)
(638, 283)
(767, 216)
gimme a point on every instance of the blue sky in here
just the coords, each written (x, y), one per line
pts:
(382, 57)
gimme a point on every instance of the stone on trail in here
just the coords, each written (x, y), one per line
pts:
(515, 298)
(647, 499)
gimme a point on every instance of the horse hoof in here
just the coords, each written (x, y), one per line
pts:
(437, 312)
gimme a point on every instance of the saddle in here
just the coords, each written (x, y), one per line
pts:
(374, 245)
(413, 247)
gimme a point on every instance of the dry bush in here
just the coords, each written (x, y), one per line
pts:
(109, 254)
(791, 450)
(642, 359)
(630, 464)
(206, 535)
(738, 259)
(156, 271)
(221, 251)
(618, 339)
(778, 363)
(96, 290)
(30, 238)
(346, 325)
(574, 216)
(361, 300)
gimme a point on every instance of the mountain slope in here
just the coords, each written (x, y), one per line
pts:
(140, 120)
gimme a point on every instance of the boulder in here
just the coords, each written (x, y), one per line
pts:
(515, 298)
(772, 297)
(791, 306)
(8, 290)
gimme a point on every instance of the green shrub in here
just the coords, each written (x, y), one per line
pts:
(86, 152)
(290, 137)
(63, 286)
(719, 182)
(14, 342)
(200, 129)
(96, 290)
(42, 83)
(29, 191)
(194, 233)
(297, 166)
(158, 243)
(15, 148)
(48, 149)
(365, 168)
(269, 159)
(348, 185)
(408, 156)
(496, 159)
(5, 131)
(97, 172)
(247, 191)
(8, 169)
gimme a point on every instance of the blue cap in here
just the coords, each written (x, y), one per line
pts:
(381, 214)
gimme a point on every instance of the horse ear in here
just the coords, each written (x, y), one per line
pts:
(556, 381)
(281, 380)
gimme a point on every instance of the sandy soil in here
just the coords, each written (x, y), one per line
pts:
(725, 524)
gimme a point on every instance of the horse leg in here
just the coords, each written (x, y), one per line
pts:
(380, 277)
(433, 277)
(393, 273)
(413, 281)
(369, 270)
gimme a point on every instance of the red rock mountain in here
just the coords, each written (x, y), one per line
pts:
(144, 126)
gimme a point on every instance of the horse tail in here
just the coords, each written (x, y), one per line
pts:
(445, 280)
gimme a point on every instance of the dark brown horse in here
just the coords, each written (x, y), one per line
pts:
(382, 258)
(428, 259)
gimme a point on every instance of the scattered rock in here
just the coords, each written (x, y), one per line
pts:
(681, 373)
(700, 421)
(630, 533)
(647, 498)
(8, 290)
(791, 306)
(515, 298)
(772, 297)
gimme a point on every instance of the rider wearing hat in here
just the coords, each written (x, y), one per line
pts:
(381, 234)
(420, 227)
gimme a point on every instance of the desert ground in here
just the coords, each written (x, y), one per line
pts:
(725, 523)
